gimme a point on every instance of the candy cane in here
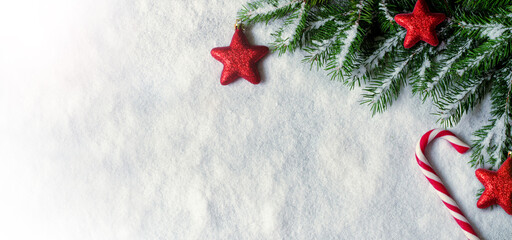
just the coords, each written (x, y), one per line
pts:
(436, 182)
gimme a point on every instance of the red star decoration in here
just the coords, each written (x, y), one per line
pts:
(239, 59)
(498, 187)
(420, 24)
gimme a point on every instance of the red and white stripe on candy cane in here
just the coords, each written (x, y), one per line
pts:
(436, 182)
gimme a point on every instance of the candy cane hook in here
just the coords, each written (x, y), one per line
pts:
(436, 182)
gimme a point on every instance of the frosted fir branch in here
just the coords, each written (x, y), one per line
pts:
(350, 37)
(484, 57)
(385, 16)
(449, 61)
(323, 45)
(444, 45)
(491, 144)
(291, 29)
(491, 30)
(345, 48)
(266, 10)
(425, 65)
(471, 65)
(386, 83)
(383, 90)
(461, 98)
(504, 75)
(385, 47)
(385, 11)
(269, 8)
(364, 69)
(495, 31)
(484, 4)
(450, 109)
(508, 76)
(319, 53)
(358, 73)
(289, 36)
(494, 142)
(320, 23)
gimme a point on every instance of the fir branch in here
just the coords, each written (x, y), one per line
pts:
(289, 36)
(419, 74)
(342, 61)
(386, 16)
(320, 50)
(421, 64)
(327, 18)
(316, 2)
(383, 9)
(318, 23)
(494, 140)
(440, 75)
(373, 59)
(482, 25)
(489, 145)
(267, 10)
(461, 98)
(338, 63)
(385, 87)
(406, 5)
(484, 4)
(485, 57)
(489, 30)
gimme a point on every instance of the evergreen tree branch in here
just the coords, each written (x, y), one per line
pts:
(485, 57)
(484, 4)
(420, 65)
(267, 10)
(386, 17)
(342, 61)
(316, 2)
(322, 44)
(384, 88)
(289, 36)
(374, 59)
(484, 25)
(461, 98)
(440, 75)
(494, 140)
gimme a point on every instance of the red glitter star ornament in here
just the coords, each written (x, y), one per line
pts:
(239, 59)
(420, 24)
(498, 187)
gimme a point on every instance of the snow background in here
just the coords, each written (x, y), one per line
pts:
(113, 125)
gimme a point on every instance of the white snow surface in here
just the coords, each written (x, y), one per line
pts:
(114, 125)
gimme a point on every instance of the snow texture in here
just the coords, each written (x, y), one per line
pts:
(114, 126)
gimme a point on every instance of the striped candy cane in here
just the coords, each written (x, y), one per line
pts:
(436, 182)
